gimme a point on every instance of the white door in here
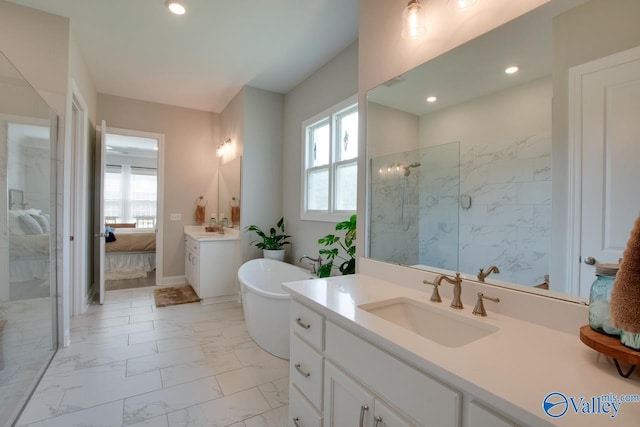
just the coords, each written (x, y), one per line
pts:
(98, 224)
(346, 403)
(384, 416)
(609, 126)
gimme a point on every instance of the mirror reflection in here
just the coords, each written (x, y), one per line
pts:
(492, 99)
(27, 236)
(229, 175)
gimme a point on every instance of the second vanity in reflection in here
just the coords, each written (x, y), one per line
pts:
(211, 263)
(373, 350)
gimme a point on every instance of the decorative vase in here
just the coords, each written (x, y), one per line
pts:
(277, 254)
(599, 317)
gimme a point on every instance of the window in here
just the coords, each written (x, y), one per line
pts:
(330, 166)
(130, 195)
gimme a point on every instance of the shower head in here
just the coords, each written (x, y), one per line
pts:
(407, 169)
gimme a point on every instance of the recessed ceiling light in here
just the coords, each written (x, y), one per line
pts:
(176, 7)
(109, 148)
(511, 70)
(432, 99)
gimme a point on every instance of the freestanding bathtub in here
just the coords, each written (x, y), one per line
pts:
(266, 304)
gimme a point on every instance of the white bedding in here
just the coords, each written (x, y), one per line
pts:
(28, 257)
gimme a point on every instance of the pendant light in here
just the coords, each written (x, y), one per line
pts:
(413, 20)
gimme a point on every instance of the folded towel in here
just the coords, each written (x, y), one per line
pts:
(625, 296)
(200, 211)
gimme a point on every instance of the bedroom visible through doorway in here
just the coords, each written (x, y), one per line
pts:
(130, 203)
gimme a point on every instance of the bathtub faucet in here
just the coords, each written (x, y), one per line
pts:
(316, 262)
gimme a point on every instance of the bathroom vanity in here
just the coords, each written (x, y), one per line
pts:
(211, 262)
(366, 351)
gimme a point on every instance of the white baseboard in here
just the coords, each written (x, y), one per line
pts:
(173, 280)
(225, 298)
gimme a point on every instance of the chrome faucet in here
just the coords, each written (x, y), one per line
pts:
(492, 269)
(316, 261)
(457, 288)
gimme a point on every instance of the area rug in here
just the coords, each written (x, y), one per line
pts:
(174, 295)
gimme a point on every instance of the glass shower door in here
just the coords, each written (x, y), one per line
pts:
(28, 315)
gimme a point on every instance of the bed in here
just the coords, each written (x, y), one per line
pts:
(29, 245)
(131, 255)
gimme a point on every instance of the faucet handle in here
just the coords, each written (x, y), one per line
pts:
(435, 296)
(479, 309)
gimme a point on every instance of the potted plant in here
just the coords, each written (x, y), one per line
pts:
(272, 244)
(348, 246)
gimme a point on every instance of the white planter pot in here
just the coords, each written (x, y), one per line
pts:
(277, 254)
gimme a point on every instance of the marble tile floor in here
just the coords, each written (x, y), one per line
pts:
(133, 364)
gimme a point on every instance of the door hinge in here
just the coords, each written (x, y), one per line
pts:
(71, 238)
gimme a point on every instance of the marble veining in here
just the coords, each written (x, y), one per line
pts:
(132, 364)
(508, 223)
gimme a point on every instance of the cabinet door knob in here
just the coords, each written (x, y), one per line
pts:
(364, 408)
(296, 422)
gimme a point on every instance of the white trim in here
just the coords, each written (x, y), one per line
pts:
(335, 216)
(574, 173)
(171, 280)
(80, 301)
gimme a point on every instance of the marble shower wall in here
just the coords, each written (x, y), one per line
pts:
(394, 209)
(414, 216)
(509, 221)
(439, 195)
(420, 220)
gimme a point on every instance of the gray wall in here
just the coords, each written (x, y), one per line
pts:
(334, 82)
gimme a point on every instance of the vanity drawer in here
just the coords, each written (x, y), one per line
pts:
(307, 324)
(306, 370)
(415, 394)
(301, 411)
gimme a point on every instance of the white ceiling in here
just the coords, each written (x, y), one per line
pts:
(138, 49)
(477, 68)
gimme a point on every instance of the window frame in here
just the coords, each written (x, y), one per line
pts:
(330, 115)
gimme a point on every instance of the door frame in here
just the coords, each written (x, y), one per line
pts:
(77, 144)
(576, 77)
(160, 202)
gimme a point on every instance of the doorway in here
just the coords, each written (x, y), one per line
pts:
(131, 196)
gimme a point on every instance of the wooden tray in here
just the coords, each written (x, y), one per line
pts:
(612, 347)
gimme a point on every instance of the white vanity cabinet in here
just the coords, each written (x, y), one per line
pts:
(348, 403)
(211, 267)
(306, 366)
(338, 378)
(191, 263)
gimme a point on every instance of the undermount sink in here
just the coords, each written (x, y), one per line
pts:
(433, 323)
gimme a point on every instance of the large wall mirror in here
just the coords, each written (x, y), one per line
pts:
(466, 181)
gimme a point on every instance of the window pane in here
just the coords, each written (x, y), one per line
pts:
(112, 194)
(348, 135)
(143, 195)
(318, 190)
(319, 144)
(346, 187)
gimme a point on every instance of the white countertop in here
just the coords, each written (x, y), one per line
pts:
(512, 369)
(197, 232)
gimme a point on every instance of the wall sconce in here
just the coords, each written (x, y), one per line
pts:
(223, 147)
(413, 20)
